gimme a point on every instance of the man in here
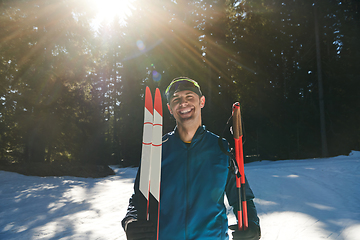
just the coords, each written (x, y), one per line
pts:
(195, 176)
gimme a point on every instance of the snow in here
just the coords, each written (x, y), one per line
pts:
(296, 199)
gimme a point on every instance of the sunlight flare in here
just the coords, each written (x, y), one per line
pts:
(107, 10)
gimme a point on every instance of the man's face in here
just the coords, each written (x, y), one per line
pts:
(186, 105)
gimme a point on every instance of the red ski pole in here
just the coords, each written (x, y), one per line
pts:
(239, 155)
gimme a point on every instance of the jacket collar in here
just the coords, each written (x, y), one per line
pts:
(198, 134)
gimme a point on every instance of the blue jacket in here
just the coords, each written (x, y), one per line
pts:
(194, 179)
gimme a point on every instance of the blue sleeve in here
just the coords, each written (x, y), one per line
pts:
(132, 210)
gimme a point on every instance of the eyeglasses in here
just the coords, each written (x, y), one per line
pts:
(176, 83)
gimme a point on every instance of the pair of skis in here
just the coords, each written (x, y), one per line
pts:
(150, 170)
(243, 223)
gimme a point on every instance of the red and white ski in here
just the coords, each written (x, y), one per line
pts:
(150, 170)
(144, 183)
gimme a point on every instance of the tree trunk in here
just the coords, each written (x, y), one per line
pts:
(324, 149)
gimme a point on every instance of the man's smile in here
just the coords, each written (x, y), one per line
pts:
(185, 111)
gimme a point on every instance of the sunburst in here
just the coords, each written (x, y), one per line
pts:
(108, 9)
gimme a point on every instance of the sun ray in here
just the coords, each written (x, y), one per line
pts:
(108, 9)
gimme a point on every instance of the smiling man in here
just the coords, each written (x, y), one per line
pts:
(185, 102)
(195, 177)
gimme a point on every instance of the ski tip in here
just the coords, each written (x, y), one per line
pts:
(157, 102)
(148, 100)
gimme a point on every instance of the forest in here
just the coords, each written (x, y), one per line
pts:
(72, 84)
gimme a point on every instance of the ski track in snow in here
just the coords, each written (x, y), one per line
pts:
(302, 200)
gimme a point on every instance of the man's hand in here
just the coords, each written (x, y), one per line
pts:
(252, 233)
(140, 230)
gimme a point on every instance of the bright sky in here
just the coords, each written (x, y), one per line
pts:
(108, 9)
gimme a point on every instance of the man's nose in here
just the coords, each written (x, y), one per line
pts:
(183, 101)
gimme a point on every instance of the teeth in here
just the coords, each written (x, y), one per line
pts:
(182, 112)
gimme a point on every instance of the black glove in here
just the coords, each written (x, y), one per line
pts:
(252, 233)
(140, 230)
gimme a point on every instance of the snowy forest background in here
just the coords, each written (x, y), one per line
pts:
(72, 91)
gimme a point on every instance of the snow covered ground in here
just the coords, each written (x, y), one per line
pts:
(303, 199)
